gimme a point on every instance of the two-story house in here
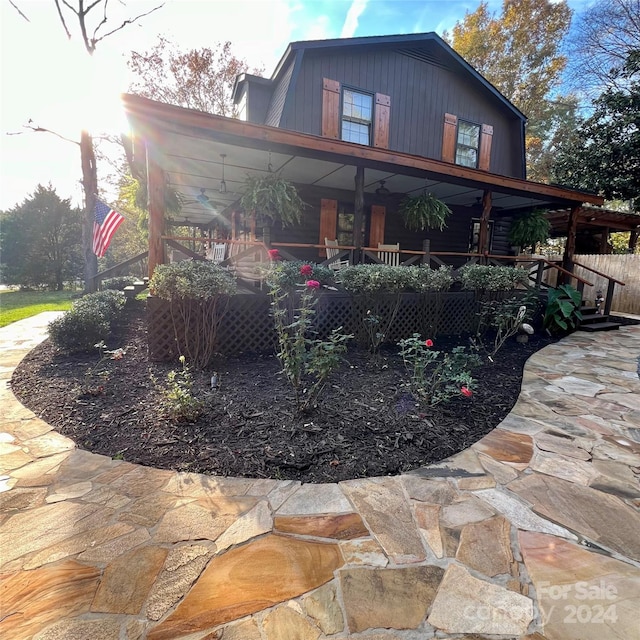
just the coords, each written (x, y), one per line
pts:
(356, 124)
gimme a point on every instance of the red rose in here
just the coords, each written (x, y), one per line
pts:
(274, 254)
(428, 343)
(313, 284)
(466, 392)
(306, 270)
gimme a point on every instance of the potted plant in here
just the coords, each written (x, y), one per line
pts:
(424, 212)
(273, 198)
(528, 229)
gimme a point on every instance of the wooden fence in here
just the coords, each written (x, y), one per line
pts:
(621, 267)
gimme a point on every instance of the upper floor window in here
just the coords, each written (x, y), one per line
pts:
(468, 144)
(357, 116)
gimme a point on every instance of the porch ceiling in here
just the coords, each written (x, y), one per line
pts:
(192, 145)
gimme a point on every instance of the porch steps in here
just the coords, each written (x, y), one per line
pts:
(134, 289)
(593, 321)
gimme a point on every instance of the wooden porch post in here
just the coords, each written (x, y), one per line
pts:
(483, 235)
(570, 247)
(155, 195)
(633, 239)
(604, 241)
(358, 210)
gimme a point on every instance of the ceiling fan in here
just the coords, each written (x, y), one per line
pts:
(202, 198)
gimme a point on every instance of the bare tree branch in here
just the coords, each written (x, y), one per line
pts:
(32, 127)
(15, 6)
(62, 20)
(127, 22)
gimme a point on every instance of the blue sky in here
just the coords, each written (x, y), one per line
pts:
(40, 69)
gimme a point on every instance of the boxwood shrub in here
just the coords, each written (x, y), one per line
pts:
(480, 277)
(87, 322)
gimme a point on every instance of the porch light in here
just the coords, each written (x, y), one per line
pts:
(223, 184)
(382, 191)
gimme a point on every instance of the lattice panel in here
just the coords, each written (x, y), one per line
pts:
(248, 325)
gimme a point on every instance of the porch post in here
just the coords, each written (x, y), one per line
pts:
(570, 247)
(426, 247)
(358, 210)
(155, 195)
(633, 239)
(604, 238)
(483, 235)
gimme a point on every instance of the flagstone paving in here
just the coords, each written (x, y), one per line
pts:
(533, 532)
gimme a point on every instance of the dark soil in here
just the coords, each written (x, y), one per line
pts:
(367, 423)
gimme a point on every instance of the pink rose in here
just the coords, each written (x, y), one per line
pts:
(313, 284)
(306, 270)
(466, 392)
(428, 343)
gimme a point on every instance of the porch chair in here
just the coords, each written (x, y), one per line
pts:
(389, 254)
(216, 253)
(332, 252)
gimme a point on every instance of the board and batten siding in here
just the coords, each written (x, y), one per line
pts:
(420, 94)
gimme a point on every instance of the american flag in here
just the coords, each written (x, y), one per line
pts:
(105, 223)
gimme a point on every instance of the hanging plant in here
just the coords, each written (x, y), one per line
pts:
(274, 198)
(528, 229)
(424, 212)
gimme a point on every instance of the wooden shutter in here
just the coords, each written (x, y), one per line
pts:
(484, 161)
(330, 109)
(328, 222)
(376, 226)
(381, 121)
(449, 137)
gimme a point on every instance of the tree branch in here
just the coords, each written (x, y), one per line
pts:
(15, 6)
(127, 22)
(62, 20)
(42, 130)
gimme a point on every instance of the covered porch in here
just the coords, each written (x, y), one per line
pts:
(353, 194)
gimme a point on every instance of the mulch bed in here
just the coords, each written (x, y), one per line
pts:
(367, 423)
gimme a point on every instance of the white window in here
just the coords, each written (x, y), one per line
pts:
(357, 116)
(468, 144)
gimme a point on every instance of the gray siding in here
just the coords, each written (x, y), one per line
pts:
(276, 107)
(421, 93)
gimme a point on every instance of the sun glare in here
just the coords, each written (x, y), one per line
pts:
(86, 95)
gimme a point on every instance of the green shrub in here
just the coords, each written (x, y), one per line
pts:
(424, 279)
(87, 322)
(287, 274)
(191, 279)
(199, 295)
(375, 278)
(78, 330)
(109, 303)
(118, 283)
(489, 278)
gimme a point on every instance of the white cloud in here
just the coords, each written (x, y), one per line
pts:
(351, 21)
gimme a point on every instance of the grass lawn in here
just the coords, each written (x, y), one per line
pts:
(16, 305)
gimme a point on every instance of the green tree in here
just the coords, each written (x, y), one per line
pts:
(40, 241)
(519, 52)
(199, 79)
(603, 155)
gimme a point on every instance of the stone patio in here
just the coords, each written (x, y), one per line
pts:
(533, 532)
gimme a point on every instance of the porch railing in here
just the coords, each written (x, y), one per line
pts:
(611, 285)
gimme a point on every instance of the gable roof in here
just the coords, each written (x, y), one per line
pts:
(428, 47)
